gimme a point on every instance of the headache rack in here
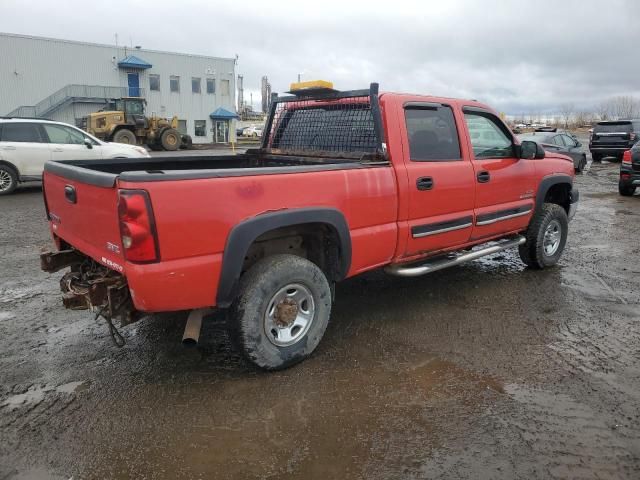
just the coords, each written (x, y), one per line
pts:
(326, 123)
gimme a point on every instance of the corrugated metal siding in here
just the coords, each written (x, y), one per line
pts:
(33, 68)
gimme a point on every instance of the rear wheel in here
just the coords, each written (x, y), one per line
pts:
(626, 190)
(281, 312)
(124, 136)
(187, 142)
(8, 180)
(546, 237)
(170, 139)
(596, 157)
(581, 164)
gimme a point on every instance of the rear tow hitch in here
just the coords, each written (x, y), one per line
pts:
(92, 286)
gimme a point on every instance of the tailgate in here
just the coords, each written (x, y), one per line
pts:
(614, 134)
(82, 207)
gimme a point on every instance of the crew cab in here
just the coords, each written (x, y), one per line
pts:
(344, 182)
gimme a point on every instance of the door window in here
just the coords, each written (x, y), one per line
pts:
(21, 132)
(432, 134)
(63, 135)
(568, 141)
(557, 140)
(488, 136)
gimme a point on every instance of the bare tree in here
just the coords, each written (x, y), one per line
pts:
(603, 110)
(566, 111)
(624, 107)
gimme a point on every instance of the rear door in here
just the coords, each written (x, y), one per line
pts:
(23, 145)
(504, 183)
(441, 181)
(67, 143)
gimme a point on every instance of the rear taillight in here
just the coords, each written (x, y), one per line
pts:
(626, 157)
(137, 226)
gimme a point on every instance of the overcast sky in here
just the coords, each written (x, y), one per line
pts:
(519, 56)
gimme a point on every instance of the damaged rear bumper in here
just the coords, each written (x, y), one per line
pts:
(89, 285)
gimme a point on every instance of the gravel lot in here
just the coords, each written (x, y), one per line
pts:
(489, 370)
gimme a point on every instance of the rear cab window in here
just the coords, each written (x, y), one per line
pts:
(432, 133)
(488, 135)
(20, 132)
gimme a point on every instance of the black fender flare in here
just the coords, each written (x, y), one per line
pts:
(547, 182)
(245, 233)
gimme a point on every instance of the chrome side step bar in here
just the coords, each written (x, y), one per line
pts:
(433, 265)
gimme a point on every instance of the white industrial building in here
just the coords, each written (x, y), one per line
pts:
(66, 80)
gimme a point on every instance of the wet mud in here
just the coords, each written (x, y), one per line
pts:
(489, 370)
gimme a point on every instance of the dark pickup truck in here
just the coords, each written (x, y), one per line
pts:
(612, 139)
(344, 182)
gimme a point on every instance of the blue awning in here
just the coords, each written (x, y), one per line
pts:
(131, 61)
(223, 114)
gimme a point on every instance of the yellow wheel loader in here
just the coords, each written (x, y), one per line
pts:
(124, 121)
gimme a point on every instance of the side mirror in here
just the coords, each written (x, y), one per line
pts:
(88, 143)
(578, 144)
(531, 150)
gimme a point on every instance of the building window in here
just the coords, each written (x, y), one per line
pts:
(211, 85)
(182, 127)
(200, 129)
(154, 83)
(174, 83)
(195, 84)
(224, 87)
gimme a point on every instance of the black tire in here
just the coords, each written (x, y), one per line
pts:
(626, 190)
(259, 290)
(582, 164)
(154, 147)
(597, 158)
(124, 136)
(8, 180)
(187, 142)
(170, 139)
(533, 251)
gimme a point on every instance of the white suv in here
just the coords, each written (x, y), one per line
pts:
(26, 144)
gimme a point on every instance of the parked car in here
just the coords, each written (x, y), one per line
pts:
(559, 141)
(613, 138)
(268, 233)
(253, 131)
(27, 144)
(630, 171)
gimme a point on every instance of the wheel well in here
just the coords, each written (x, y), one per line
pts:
(317, 242)
(11, 166)
(560, 194)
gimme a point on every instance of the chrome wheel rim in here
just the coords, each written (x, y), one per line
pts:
(289, 315)
(5, 180)
(552, 237)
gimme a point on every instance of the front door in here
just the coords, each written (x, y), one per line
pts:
(505, 184)
(67, 143)
(441, 184)
(133, 81)
(221, 133)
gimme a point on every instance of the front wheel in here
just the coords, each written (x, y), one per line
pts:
(626, 190)
(546, 237)
(170, 139)
(281, 312)
(124, 136)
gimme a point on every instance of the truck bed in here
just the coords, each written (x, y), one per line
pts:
(105, 172)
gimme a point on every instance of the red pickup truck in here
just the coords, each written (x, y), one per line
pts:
(344, 182)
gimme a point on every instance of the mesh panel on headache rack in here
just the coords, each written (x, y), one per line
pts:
(344, 125)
